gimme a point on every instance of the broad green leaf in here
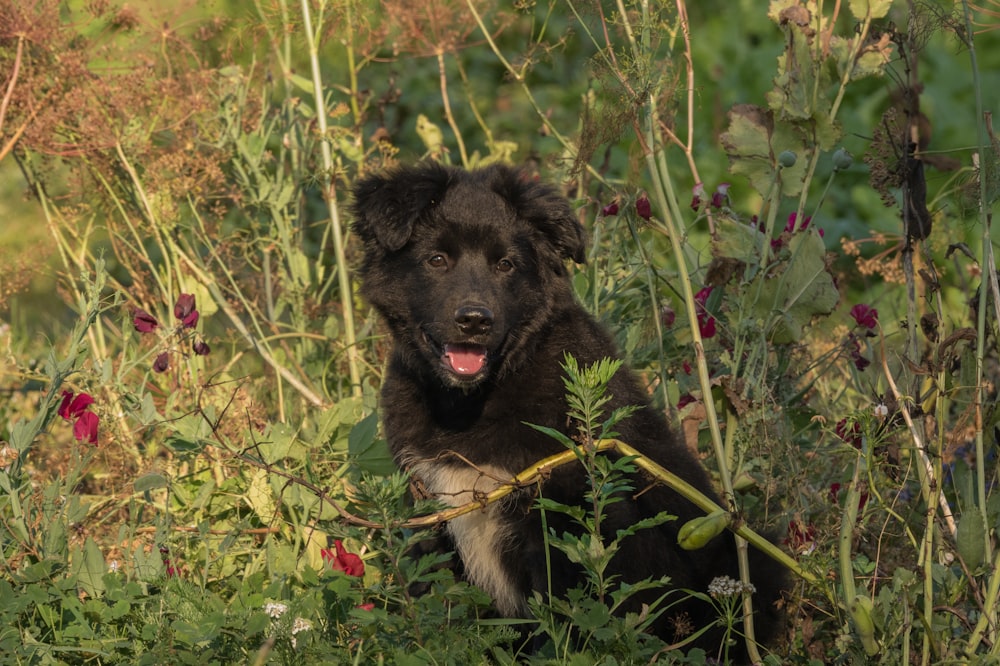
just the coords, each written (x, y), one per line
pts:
(89, 567)
(788, 299)
(752, 143)
(970, 539)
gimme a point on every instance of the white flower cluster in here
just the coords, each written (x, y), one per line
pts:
(724, 586)
(275, 609)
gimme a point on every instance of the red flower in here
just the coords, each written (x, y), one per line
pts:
(71, 408)
(865, 315)
(143, 321)
(849, 433)
(685, 400)
(161, 363)
(720, 195)
(801, 538)
(341, 560)
(642, 208)
(699, 193)
(610, 209)
(366, 607)
(706, 322)
(667, 316)
(184, 306)
(85, 428)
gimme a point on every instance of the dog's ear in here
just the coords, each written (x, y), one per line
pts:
(544, 207)
(386, 206)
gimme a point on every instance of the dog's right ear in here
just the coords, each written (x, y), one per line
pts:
(386, 206)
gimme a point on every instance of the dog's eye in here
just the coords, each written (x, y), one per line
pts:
(505, 265)
(437, 261)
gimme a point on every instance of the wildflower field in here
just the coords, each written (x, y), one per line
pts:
(789, 209)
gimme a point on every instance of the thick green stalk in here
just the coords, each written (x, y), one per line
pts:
(330, 196)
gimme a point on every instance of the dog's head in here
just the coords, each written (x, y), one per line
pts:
(465, 266)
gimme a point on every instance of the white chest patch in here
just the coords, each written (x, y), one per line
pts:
(479, 536)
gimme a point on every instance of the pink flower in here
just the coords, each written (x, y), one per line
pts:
(865, 315)
(610, 209)
(699, 195)
(161, 363)
(366, 607)
(85, 428)
(720, 195)
(341, 560)
(642, 208)
(143, 321)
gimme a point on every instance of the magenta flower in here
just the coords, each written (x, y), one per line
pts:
(642, 208)
(720, 195)
(78, 408)
(667, 316)
(850, 433)
(184, 306)
(610, 209)
(185, 310)
(143, 321)
(85, 428)
(865, 315)
(699, 195)
(341, 560)
(72, 408)
(161, 363)
(685, 400)
(706, 322)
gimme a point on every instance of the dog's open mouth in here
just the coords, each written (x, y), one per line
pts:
(465, 360)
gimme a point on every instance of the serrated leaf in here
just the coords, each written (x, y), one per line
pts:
(970, 539)
(788, 299)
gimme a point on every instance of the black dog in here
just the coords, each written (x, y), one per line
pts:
(468, 269)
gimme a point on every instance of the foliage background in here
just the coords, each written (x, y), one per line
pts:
(154, 149)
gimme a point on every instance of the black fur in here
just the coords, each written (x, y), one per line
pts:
(469, 271)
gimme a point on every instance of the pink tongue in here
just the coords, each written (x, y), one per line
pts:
(465, 359)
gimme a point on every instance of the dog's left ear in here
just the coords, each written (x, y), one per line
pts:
(544, 207)
(387, 206)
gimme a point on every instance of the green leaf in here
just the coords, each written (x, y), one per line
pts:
(150, 481)
(875, 9)
(752, 142)
(89, 568)
(970, 539)
(788, 299)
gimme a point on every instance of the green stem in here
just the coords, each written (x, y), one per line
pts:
(330, 196)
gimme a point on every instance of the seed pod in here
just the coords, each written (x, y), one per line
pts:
(697, 532)
(861, 613)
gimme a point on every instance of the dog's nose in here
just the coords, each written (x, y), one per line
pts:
(474, 319)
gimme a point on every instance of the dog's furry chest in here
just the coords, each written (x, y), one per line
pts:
(482, 536)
